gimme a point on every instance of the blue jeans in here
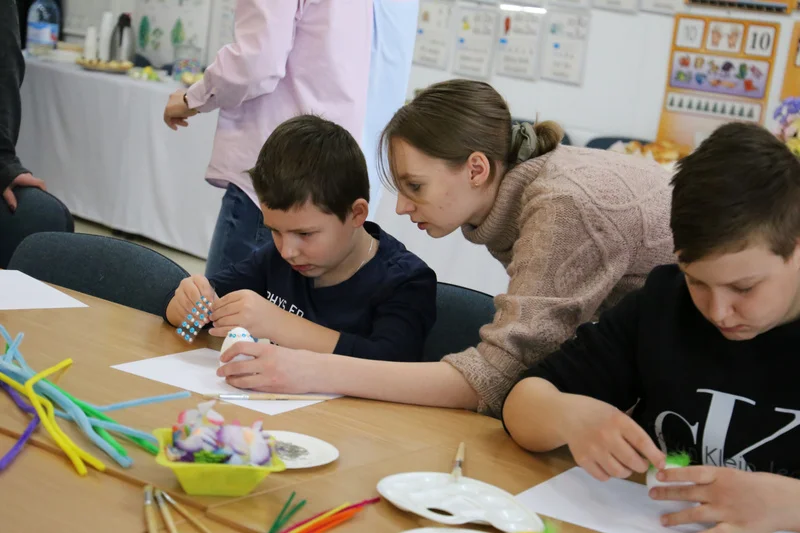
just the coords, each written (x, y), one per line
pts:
(239, 231)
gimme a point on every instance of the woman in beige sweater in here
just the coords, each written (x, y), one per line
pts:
(575, 228)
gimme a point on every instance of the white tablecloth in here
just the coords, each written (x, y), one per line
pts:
(99, 142)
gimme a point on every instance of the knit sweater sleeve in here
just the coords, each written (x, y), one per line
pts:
(565, 263)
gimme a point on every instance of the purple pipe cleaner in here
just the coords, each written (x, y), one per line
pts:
(12, 454)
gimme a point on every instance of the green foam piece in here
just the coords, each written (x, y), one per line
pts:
(549, 527)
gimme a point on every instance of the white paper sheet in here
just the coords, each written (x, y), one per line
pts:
(196, 371)
(20, 291)
(614, 506)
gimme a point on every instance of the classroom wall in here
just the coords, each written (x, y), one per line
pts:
(622, 94)
(625, 73)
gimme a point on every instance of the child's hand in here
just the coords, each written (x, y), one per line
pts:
(272, 369)
(188, 295)
(608, 443)
(244, 309)
(737, 501)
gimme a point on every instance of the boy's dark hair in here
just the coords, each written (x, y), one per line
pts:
(310, 158)
(741, 183)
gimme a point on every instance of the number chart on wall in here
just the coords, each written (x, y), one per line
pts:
(791, 76)
(720, 71)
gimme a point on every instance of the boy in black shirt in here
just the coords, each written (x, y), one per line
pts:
(330, 282)
(706, 354)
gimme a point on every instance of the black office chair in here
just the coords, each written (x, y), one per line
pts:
(460, 313)
(105, 267)
(37, 211)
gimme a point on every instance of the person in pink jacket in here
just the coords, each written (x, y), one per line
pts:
(288, 58)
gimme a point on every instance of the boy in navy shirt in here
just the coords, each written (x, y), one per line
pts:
(330, 282)
(706, 354)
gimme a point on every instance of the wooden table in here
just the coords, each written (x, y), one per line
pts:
(375, 439)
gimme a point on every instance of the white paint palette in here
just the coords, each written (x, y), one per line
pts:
(440, 498)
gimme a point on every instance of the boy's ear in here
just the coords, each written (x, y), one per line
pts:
(359, 212)
(795, 257)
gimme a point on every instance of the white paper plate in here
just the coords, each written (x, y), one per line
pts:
(303, 451)
(464, 500)
(442, 530)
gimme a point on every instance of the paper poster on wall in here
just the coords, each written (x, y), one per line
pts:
(434, 34)
(570, 4)
(626, 6)
(667, 7)
(169, 30)
(719, 71)
(791, 77)
(518, 45)
(768, 6)
(221, 29)
(475, 34)
(564, 45)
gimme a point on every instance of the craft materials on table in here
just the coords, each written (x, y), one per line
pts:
(237, 335)
(680, 460)
(149, 511)
(19, 291)
(299, 451)
(321, 521)
(442, 530)
(186, 514)
(195, 370)
(212, 458)
(454, 500)
(166, 515)
(152, 497)
(199, 317)
(21, 380)
(614, 506)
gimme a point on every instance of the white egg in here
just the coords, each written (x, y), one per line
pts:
(236, 335)
(668, 506)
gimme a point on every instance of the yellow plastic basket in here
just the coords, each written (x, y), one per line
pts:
(203, 479)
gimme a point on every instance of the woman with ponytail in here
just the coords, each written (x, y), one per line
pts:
(576, 229)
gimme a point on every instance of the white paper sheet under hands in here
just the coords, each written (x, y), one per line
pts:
(614, 506)
(196, 371)
(20, 291)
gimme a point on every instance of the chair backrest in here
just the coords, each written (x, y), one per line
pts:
(604, 143)
(460, 313)
(37, 211)
(105, 267)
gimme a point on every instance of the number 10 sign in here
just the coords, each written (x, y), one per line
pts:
(719, 71)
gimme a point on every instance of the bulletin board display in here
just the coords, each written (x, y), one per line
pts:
(769, 6)
(518, 45)
(434, 34)
(719, 71)
(474, 40)
(564, 45)
(791, 76)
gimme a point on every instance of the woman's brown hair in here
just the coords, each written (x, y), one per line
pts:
(453, 119)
